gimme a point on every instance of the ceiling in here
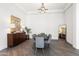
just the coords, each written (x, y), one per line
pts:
(34, 6)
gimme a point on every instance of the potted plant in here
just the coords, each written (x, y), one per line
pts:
(28, 31)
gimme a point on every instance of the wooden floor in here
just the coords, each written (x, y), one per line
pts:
(56, 48)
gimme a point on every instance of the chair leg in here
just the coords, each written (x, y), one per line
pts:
(35, 51)
(43, 50)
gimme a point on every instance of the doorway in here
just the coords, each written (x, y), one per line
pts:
(62, 31)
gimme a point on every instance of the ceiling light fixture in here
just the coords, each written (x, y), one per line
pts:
(42, 9)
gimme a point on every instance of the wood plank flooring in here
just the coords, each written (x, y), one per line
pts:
(56, 48)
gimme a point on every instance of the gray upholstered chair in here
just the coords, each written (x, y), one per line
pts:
(48, 40)
(33, 37)
(39, 42)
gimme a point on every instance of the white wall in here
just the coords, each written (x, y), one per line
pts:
(3, 26)
(46, 23)
(69, 23)
(6, 10)
(74, 25)
(77, 26)
(72, 19)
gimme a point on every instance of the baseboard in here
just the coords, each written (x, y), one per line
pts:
(76, 47)
(54, 39)
(3, 48)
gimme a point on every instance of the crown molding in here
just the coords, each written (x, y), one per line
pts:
(49, 11)
(21, 8)
(67, 7)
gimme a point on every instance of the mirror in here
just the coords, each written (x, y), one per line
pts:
(16, 24)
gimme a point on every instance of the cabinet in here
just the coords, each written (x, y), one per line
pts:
(16, 38)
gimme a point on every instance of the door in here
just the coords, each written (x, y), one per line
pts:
(62, 31)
